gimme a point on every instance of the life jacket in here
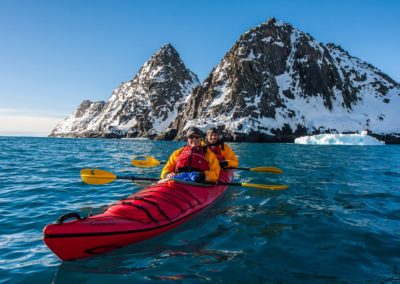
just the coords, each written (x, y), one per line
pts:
(192, 160)
(217, 150)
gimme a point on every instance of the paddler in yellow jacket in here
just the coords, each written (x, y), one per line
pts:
(224, 153)
(193, 162)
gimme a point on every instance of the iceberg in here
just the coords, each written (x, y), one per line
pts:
(339, 139)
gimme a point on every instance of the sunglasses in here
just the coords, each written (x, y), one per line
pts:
(194, 137)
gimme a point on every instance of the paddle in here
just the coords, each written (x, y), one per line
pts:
(95, 176)
(149, 162)
(255, 185)
(273, 170)
(153, 162)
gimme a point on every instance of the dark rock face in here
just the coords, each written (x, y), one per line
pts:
(277, 83)
(142, 107)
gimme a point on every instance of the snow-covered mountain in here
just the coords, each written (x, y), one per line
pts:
(142, 107)
(275, 84)
(278, 83)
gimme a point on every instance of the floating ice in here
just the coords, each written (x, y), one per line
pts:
(339, 139)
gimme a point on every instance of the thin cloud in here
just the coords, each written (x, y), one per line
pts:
(24, 122)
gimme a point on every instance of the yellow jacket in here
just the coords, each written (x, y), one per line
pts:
(228, 155)
(211, 175)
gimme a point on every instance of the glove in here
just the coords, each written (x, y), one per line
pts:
(190, 176)
(202, 177)
(223, 164)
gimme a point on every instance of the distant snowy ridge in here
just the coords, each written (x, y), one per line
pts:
(79, 120)
(275, 84)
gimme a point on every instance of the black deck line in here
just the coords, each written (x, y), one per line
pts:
(141, 208)
(143, 199)
(188, 193)
(54, 236)
(167, 200)
(179, 196)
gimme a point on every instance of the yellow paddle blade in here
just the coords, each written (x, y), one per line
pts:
(152, 160)
(265, 186)
(267, 170)
(93, 176)
(149, 162)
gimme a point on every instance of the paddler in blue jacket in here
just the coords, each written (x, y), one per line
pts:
(192, 162)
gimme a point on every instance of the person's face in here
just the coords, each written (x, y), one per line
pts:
(212, 138)
(194, 140)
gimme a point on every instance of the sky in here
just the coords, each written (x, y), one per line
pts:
(55, 54)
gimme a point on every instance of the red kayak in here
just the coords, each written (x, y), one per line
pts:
(143, 215)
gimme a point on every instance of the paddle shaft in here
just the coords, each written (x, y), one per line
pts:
(97, 176)
(245, 184)
(132, 178)
(243, 169)
(262, 186)
(157, 179)
(163, 163)
(152, 162)
(226, 183)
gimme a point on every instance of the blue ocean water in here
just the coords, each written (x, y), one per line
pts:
(338, 222)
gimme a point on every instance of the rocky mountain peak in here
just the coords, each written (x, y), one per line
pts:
(165, 60)
(145, 105)
(166, 52)
(163, 67)
(277, 83)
